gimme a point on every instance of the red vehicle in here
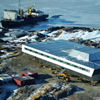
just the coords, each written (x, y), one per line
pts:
(29, 73)
(23, 80)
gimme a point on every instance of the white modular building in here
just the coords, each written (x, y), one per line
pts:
(76, 58)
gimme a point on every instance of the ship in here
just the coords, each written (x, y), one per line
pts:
(18, 18)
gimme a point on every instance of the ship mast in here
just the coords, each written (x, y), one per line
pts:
(28, 3)
(29, 9)
(20, 11)
(19, 5)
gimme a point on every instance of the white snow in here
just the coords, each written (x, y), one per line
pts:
(6, 55)
(53, 33)
(0, 30)
(85, 35)
(33, 37)
(24, 37)
(44, 32)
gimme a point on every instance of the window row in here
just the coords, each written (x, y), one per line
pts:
(58, 60)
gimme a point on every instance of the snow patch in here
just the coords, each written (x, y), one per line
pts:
(85, 35)
(6, 55)
(54, 33)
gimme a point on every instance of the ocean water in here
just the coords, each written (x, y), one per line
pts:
(61, 13)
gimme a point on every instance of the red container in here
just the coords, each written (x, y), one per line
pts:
(23, 80)
(29, 73)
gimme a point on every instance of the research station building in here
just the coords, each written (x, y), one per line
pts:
(76, 58)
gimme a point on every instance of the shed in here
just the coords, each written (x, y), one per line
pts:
(15, 34)
(23, 80)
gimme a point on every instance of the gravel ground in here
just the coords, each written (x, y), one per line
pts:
(27, 62)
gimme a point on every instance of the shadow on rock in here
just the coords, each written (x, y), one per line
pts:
(41, 78)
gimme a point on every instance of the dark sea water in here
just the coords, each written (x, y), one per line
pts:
(61, 12)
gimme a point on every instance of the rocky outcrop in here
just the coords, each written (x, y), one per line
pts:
(52, 91)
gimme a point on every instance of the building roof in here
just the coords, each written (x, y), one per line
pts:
(10, 10)
(29, 72)
(71, 51)
(5, 77)
(15, 33)
(24, 78)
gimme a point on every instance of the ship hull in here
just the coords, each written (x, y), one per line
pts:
(26, 21)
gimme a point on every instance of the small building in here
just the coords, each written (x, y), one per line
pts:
(5, 78)
(15, 34)
(29, 73)
(5, 39)
(23, 80)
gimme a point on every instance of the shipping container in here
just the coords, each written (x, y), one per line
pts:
(23, 80)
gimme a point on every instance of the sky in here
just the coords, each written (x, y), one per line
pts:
(62, 12)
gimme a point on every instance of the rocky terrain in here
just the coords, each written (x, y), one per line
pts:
(11, 41)
(47, 86)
